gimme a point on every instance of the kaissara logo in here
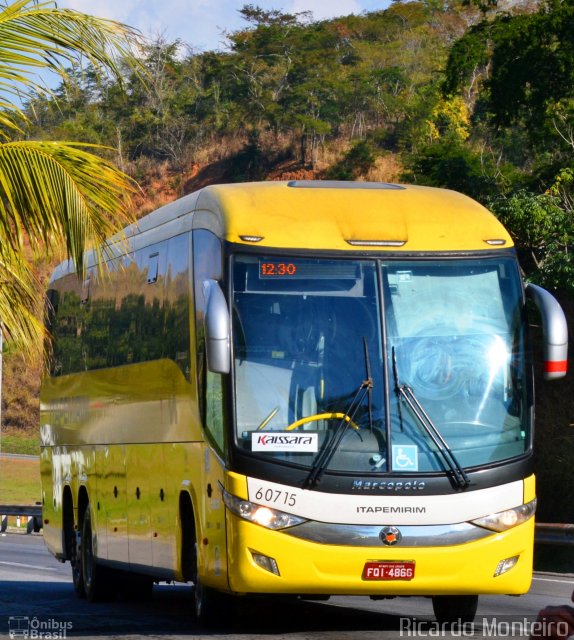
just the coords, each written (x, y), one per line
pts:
(282, 441)
(295, 440)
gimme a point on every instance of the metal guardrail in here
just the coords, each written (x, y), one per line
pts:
(33, 514)
(554, 533)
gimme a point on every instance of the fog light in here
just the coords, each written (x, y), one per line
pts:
(265, 562)
(505, 565)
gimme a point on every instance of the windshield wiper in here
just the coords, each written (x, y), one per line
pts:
(369, 378)
(406, 393)
(324, 458)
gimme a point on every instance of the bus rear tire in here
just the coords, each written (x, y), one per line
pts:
(454, 609)
(71, 542)
(97, 579)
(76, 562)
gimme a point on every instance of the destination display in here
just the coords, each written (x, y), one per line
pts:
(304, 269)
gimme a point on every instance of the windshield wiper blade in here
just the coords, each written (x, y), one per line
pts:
(369, 378)
(324, 458)
(406, 392)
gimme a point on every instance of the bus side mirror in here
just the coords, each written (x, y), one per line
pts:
(554, 329)
(217, 328)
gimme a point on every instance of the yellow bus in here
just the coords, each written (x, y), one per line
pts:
(304, 388)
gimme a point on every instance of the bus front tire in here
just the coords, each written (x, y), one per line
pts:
(454, 609)
(212, 607)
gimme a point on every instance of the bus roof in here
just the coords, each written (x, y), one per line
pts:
(324, 215)
(351, 215)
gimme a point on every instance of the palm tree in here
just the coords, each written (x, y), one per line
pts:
(52, 194)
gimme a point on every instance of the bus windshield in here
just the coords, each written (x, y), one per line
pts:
(308, 333)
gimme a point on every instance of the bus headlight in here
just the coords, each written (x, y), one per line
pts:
(259, 514)
(504, 520)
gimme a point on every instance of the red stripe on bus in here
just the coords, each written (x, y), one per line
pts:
(556, 366)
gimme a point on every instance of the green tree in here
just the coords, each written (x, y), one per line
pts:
(523, 65)
(51, 193)
(451, 164)
(532, 63)
(544, 235)
(355, 163)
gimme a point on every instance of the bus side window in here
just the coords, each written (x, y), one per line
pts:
(176, 337)
(66, 326)
(207, 265)
(153, 268)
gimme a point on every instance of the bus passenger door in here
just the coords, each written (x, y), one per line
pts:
(207, 274)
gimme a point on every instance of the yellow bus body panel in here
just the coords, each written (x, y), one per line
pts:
(312, 568)
(529, 488)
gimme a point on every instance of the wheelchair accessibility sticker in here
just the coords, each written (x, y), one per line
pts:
(405, 457)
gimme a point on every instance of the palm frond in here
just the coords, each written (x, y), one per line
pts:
(38, 35)
(19, 309)
(54, 192)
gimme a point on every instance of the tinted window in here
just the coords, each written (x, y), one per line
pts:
(136, 310)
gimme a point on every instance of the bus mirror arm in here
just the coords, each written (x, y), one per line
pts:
(216, 328)
(555, 331)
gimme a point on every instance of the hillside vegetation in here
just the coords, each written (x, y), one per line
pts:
(474, 97)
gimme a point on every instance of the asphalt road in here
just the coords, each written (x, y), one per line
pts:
(36, 594)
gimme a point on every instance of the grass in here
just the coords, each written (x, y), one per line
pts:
(19, 442)
(19, 481)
